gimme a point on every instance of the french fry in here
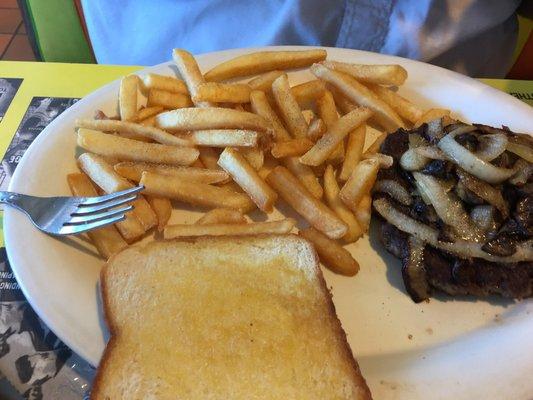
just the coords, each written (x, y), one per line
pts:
(316, 129)
(209, 157)
(222, 216)
(162, 208)
(223, 92)
(432, 114)
(194, 193)
(264, 61)
(127, 97)
(344, 104)
(334, 257)
(133, 150)
(168, 100)
(363, 212)
(400, 104)
(291, 148)
(327, 143)
(107, 239)
(331, 190)
(376, 144)
(248, 179)
(360, 183)
(190, 72)
(361, 95)
(147, 112)
(134, 170)
(268, 165)
(103, 175)
(166, 83)
(354, 152)
(288, 107)
(327, 111)
(224, 138)
(309, 116)
(261, 106)
(148, 121)
(192, 119)
(254, 156)
(254, 228)
(305, 204)
(198, 164)
(306, 93)
(393, 75)
(134, 136)
(305, 175)
(264, 81)
(384, 160)
(136, 130)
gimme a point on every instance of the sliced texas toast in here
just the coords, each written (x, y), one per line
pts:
(223, 318)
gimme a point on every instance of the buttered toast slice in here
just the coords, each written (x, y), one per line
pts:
(223, 318)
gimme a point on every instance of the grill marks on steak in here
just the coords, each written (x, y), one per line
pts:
(454, 276)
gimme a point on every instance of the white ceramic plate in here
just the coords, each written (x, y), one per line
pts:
(445, 349)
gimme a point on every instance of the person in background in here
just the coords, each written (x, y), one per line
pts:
(475, 37)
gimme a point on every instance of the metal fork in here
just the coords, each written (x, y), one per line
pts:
(72, 215)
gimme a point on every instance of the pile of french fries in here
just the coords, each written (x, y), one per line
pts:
(232, 148)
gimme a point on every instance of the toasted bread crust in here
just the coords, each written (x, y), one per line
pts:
(96, 393)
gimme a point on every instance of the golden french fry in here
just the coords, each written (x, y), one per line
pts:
(162, 208)
(345, 105)
(134, 130)
(327, 143)
(316, 130)
(190, 72)
(107, 239)
(223, 92)
(305, 204)
(400, 104)
(134, 170)
(361, 95)
(224, 137)
(248, 179)
(363, 212)
(309, 116)
(254, 156)
(168, 100)
(264, 81)
(192, 119)
(222, 216)
(306, 93)
(288, 107)
(376, 144)
(127, 97)
(209, 157)
(327, 111)
(264, 61)
(148, 121)
(134, 136)
(291, 148)
(198, 164)
(360, 183)
(268, 165)
(166, 83)
(384, 160)
(393, 75)
(133, 150)
(354, 151)
(261, 106)
(194, 193)
(305, 175)
(254, 228)
(105, 177)
(147, 112)
(331, 254)
(432, 114)
(331, 190)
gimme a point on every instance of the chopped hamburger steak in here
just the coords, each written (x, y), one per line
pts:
(457, 208)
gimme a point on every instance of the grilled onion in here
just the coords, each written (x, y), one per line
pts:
(521, 147)
(469, 161)
(491, 146)
(448, 207)
(461, 248)
(394, 190)
(482, 189)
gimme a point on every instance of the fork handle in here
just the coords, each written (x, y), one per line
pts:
(11, 199)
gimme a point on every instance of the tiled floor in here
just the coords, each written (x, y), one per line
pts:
(14, 43)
